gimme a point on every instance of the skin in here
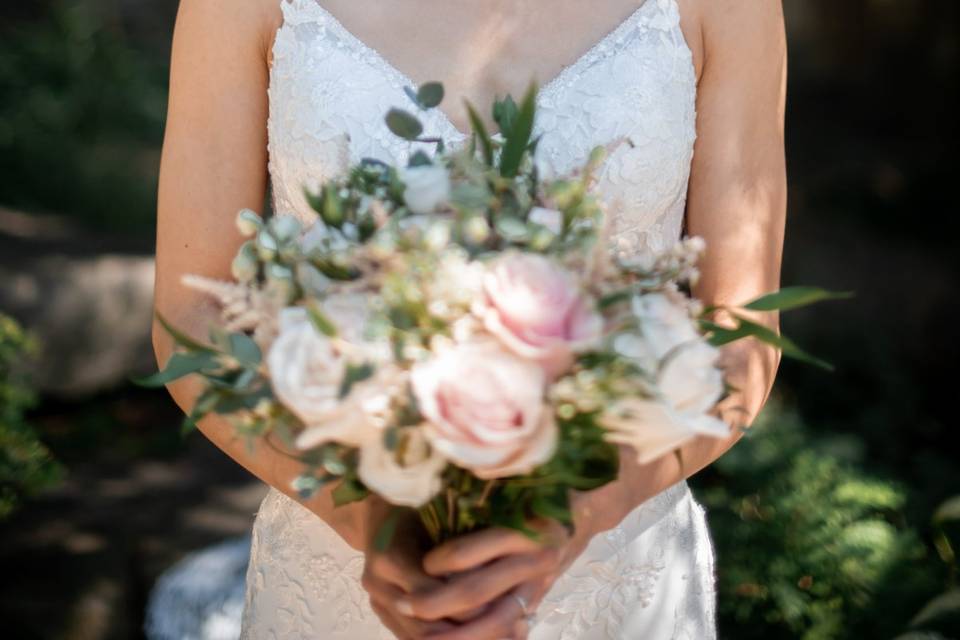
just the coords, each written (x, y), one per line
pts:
(214, 163)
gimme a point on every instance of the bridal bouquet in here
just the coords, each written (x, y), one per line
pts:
(455, 336)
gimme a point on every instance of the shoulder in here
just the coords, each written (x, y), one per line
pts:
(742, 26)
(741, 29)
(233, 25)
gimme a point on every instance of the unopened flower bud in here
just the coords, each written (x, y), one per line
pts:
(248, 222)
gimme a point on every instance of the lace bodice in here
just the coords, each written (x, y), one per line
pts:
(638, 82)
(650, 577)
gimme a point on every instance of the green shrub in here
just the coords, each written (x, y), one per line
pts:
(810, 545)
(81, 117)
(25, 464)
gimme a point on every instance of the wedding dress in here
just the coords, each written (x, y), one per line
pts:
(652, 576)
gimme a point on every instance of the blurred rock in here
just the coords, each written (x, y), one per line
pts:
(87, 298)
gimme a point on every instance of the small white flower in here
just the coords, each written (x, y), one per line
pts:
(549, 218)
(427, 187)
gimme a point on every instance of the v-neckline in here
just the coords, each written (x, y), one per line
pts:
(546, 89)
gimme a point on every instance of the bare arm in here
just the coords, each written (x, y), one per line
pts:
(213, 164)
(737, 203)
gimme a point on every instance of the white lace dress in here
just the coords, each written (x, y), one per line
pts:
(652, 576)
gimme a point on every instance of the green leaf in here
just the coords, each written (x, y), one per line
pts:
(179, 365)
(244, 349)
(948, 511)
(404, 124)
(386, 530)
(794, 297)
(786, 346)
(555, 505)
(181, 338)
(349, 490)
(614, 298)
(355, 373)
(480, 133)
(518, 136)
(429, 95)
(419, 159)
(945, 605)
(306, 485)
(505, 113)
(512, 228)
(320, 321)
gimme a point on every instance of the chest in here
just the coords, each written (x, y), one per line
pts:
(480, 49)
(636, 84)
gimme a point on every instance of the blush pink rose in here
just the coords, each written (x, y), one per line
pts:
(537, 309)
(485, 409)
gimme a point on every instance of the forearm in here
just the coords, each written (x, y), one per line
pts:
(750, 367)
(268, 460)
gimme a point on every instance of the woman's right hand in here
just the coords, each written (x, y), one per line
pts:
(389, 576)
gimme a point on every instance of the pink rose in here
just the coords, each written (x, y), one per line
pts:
(485, 409)
(538, 310)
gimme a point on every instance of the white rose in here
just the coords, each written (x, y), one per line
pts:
(306, 371)
(409, 475)
(427, 187)
(549, 218)
(687, 379)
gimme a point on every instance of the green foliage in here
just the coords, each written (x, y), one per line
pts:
(81, 116)
(810, 545)
(25, 464)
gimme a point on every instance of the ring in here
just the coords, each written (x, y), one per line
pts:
(523, 604)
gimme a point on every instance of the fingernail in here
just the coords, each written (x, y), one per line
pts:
(404, 607)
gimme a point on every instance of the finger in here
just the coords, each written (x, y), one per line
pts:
(397, 569)
(476, 549)
(383, 598)
(500, 622)
(464, 592)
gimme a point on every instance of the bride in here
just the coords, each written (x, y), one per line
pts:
(261, 90)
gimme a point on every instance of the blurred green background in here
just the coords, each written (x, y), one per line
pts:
(825, 518)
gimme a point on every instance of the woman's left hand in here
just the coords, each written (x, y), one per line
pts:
(496, 578)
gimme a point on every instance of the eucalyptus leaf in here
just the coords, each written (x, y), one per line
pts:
(404, 124)
(244, 349)
(430, 94)
(179, 365)
(794, 297)
(306, 485)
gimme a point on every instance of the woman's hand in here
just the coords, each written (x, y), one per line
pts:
(395, 574)
(500, 571)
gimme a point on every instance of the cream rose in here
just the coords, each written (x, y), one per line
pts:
(306, 371)
(485, 409)
(427, 187)
(538, 310)
(687, 379)
(408, 475)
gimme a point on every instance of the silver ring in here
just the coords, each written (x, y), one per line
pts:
(523, 604)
